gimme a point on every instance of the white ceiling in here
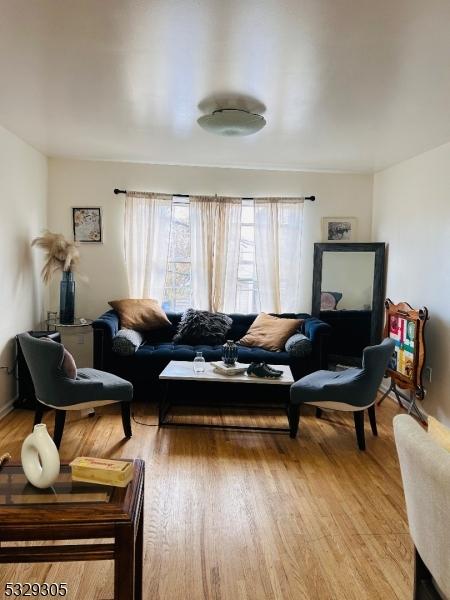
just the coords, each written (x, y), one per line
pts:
(347, 84)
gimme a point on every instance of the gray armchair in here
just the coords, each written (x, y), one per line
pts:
(54, 389)
(352, 390)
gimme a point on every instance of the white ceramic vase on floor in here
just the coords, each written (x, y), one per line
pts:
(40, 458)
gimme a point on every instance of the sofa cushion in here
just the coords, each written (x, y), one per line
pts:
(241, 322)
(170, 351)
(298, 345)
(202, 327)
(140, 314)
(164, 334)
(127, 341)
(270, 332)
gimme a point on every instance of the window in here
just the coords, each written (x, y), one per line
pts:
(177, 288)
(253, 260)
(247, 297)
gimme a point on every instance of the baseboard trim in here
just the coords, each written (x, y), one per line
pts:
(5, 410)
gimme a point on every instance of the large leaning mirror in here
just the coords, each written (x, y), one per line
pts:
(348, 293)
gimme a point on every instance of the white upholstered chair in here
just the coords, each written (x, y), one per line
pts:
(425, 468)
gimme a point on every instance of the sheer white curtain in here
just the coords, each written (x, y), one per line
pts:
(215, 239)
(147, 233)
(278, 237)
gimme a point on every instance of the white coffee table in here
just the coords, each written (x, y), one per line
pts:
(179, 370)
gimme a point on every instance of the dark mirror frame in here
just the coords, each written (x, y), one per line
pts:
(379, 249)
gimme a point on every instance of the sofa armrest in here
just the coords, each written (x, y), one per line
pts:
(319, 333)
(105, 328)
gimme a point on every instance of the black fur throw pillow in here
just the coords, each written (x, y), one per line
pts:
(202, 327)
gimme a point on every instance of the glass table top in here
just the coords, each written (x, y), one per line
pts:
(16, 490)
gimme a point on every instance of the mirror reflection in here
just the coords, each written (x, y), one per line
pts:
(347, 280)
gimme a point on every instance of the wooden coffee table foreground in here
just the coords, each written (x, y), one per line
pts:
(178, 370)
(74, 511)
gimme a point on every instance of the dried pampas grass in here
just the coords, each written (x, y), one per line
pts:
(61, 254)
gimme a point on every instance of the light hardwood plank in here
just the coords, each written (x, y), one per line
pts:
(234, 515)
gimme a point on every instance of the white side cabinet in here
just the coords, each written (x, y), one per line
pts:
(79, 341)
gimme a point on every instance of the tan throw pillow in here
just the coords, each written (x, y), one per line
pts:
(269, 332)
(142, 315)
(439, 433)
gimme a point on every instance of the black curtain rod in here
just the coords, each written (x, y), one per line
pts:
(117, 191)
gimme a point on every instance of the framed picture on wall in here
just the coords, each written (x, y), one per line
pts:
(87, 225)
(339, 229)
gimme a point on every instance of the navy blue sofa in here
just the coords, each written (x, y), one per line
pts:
(143, 368)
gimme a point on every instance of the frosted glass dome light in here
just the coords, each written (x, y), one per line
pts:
(231, 122)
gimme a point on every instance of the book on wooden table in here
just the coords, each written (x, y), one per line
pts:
(101, 470)
(223, 369)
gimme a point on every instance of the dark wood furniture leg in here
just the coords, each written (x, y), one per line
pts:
(318, 412)
(358, 416)
(126, 418)
(120, 517)
(423, 584)
(38, 414)
(124, 563)
(294, 418)
(60, 419)
(163, 404)
(373, 419)
(139, 557)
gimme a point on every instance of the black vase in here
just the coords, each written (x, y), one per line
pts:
(67, 298)
(229, 353)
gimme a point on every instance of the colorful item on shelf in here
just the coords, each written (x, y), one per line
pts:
(402, 332)
(405, 325)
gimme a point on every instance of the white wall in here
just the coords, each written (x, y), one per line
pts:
(23, 199)
(91, 183)
(411, 211)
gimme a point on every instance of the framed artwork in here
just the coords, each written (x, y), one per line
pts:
(87, 225)
(339, 229)
(405, 325)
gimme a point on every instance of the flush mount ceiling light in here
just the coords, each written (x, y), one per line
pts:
(232, 121)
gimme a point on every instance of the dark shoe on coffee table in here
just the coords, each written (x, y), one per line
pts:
(276, 372)
(262, 370)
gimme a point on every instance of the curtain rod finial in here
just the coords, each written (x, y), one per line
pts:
(117, 191)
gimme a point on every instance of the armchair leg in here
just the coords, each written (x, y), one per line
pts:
(358, 416)
(294, 418)
(60, 419)
(126, 418)
(424, 588)
(373, 419)
(38, 414)
(318, 412)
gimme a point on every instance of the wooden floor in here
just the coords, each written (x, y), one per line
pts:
(244, 515)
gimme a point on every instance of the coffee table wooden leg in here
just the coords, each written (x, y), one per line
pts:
(164, 405)
(294, 418)
(124, 564)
